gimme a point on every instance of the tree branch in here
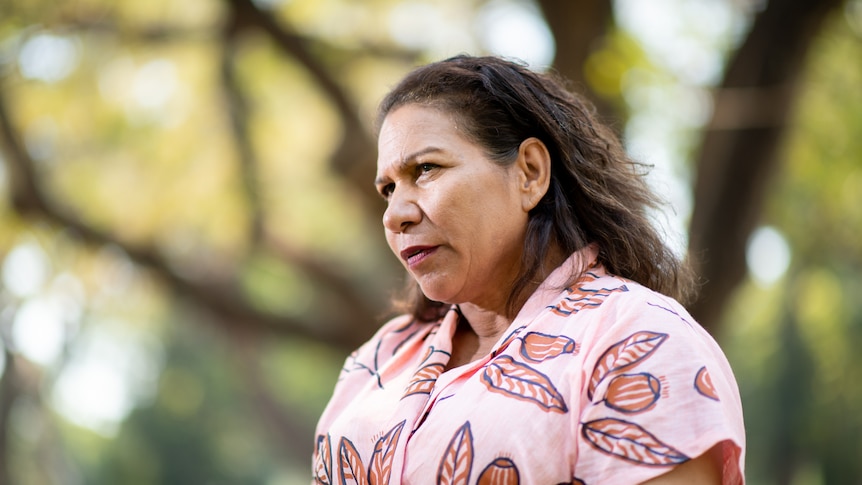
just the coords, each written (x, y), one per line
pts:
(361, 310)
(149, 34)
(578, 28)
(246, 14)
(9, 389)
(354, 159)
(238, 113)
(222, 298)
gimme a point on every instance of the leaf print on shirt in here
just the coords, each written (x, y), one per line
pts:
(424, 379)
(538, 347)
(630, 442)
(583, 299)
(703, 384)
(352, 469)
(501, 471)
(386, 347)
(509, 339)
(457, 461)
(624, 354)
(323, 460)
(384, 452)
(520, 381)
(633, 393)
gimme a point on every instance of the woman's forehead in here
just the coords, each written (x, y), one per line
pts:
(415, 127)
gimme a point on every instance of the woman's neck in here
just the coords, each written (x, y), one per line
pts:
(477, 332)
(481, 327)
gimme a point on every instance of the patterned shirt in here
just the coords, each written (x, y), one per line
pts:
(601, 382)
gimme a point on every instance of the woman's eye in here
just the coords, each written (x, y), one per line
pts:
(426, 167)
(386, 190)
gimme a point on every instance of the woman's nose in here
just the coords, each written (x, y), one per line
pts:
(402, 212)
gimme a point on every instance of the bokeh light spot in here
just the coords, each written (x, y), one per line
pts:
(516, 29)
(768, 256)
(47, 58)
(25, 270)
(38, 330)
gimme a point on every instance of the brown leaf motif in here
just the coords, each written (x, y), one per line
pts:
(501, 471)
(538, 347)
(323, 461)
(520, 381)
(630, 442)
(624, 354)
(509, 339)
(633, 393)
(384, 451)
(703, 384)
(583, 299)
(457, 461)
(352, 469)
(424, 379)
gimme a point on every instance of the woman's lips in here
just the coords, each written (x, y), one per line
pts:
(414, 255)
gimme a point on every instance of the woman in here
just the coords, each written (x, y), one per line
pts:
(538, 345)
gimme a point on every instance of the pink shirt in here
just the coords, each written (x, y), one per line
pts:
(605, 382)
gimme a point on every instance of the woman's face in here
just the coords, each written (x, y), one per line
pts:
(455, 219)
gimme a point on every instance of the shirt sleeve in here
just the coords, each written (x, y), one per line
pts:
(658, 391)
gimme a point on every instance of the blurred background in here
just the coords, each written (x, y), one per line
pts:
(190, 243)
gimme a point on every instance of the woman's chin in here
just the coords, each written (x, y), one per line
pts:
(435, 293)
(441, 299)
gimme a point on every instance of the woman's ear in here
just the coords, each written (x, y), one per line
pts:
(534, 172)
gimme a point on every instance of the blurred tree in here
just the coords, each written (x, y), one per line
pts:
(795, 341)
(739, 153)
(194, 177)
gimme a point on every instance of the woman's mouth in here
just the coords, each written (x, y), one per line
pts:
(414, 255)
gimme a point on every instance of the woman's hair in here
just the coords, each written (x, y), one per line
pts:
(596, 193)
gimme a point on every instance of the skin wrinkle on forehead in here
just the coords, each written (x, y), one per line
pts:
(405, 160)
(457, 121)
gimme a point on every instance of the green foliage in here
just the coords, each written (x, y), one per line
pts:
(199, 427)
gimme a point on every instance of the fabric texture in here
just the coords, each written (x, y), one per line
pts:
(601, 382)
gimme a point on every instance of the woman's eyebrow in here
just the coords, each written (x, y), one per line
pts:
(405, 162)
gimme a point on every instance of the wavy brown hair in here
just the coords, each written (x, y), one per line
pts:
(597, 193)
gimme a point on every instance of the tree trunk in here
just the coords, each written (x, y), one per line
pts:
(8, 393)
(740, 152)
(578, 29)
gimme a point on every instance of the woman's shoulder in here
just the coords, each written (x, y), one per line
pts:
(608, 296)
(628, 301)
(603, 310)
(651, 372)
